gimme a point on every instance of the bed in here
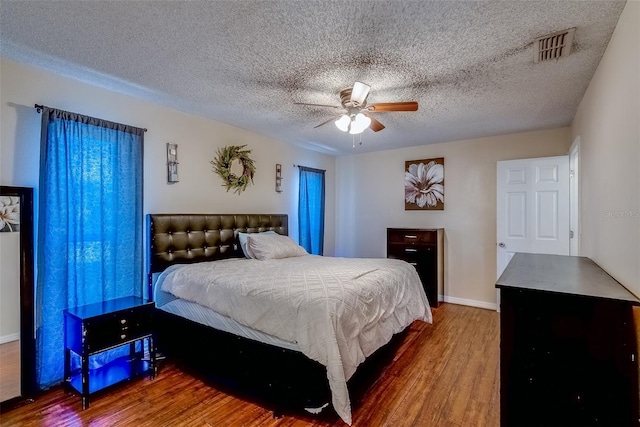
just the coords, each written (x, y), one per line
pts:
(288, 328)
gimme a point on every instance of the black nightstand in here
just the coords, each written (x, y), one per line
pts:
(95, 328)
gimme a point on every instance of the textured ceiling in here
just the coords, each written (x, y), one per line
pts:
(469, 65)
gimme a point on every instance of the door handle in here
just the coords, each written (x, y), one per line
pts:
(502, 245)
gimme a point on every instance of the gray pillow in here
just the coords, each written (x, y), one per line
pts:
(242, 237)
(260, 246)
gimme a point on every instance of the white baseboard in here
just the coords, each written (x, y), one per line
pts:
(469, 302)
(9, 338)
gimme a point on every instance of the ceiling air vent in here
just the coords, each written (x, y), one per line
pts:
(553, 46)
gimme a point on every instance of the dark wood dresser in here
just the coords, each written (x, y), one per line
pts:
(568, 351)
(422, 248)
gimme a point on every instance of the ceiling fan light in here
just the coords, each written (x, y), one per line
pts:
(359, 92)
(359, 123)
(363, 120)
(343, 123)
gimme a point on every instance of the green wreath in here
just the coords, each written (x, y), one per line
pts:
(222, 166)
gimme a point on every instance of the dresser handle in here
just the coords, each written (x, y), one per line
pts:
(410, 250)
(410, 236)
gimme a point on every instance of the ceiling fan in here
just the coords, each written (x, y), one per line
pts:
(357, 114)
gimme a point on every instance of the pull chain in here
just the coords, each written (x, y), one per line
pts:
(353, 140)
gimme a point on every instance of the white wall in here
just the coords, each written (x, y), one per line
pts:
(370, 198)
(608, 124)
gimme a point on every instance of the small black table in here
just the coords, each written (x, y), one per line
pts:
(95, 328)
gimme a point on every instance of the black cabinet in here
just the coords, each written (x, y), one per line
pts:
(422, 248)
(95, 328)
(568, 346)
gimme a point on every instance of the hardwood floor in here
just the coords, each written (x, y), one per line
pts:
(9, 370)
(445, 374)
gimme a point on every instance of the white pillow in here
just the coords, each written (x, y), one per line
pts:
(264, 247)
(242, 237)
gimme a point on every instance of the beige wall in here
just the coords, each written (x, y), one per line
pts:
(364, 192)
(370, 198)
(9, 286)
(199, 189)
(608, 126)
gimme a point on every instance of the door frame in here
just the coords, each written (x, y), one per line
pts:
(574, 197)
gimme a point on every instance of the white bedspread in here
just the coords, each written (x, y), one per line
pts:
(338, 310)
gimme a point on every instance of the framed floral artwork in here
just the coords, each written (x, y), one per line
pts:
(424, 184)
(9, 213)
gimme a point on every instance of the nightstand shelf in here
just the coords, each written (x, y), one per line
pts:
(96, 328)
(118, 370)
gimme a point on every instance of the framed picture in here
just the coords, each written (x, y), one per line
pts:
(172, 163)
(424, 184)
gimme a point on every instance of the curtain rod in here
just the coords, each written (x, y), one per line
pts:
(39, 109)
(308, 168)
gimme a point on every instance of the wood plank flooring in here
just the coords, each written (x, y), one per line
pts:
(9, 370)
(445, 374)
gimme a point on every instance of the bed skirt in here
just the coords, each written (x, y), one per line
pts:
(282, 380)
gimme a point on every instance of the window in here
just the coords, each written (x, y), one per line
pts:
(311, 209)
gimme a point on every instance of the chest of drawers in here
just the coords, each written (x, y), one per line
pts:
(422, 248)
(568, 348)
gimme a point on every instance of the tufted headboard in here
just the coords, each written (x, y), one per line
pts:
(187, 238)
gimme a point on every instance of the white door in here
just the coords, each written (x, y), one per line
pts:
(533, 207)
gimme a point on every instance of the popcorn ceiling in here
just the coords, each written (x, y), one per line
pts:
(469, 65)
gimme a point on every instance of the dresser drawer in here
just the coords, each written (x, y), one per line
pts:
(116, 328)
(410, 253)
(411, 237)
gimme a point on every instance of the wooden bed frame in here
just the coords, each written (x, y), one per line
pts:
(283, 380)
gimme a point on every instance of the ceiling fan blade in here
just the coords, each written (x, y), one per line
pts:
(359, 93)
(375, 125)
(333, 119)
(318, 105)
(382, 107)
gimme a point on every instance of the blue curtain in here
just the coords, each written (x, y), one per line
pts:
(311, 209)
(90, 224)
